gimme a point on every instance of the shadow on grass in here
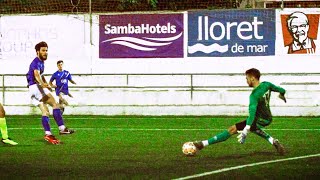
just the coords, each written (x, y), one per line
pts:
(44, 142)
(244, 156)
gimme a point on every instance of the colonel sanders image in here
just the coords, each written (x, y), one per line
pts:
(298, 25)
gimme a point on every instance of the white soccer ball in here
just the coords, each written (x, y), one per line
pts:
(189, 149)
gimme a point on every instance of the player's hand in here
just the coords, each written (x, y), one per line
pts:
(243, 135)
(50, 89)
(44, 85)
(281, 96)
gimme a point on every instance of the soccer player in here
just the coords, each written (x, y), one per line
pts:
(3, 127)
(61, 87)
(40, 93)
(259, 114)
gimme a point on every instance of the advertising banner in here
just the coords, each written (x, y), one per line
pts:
(141, 36)
(230, 33)
(19, 35)
(298, 31)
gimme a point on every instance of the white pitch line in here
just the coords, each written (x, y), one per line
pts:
(246, 165)
(164, 129)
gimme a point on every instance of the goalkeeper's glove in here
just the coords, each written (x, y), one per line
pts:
(242, 136)
(281, 96)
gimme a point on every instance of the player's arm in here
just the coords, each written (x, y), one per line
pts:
(72, 81)
(40, 79)
(52, 85)
(252, 114)
(70, 78)
(43, 79)
(51, 80)
(280, 90)
(252, 110)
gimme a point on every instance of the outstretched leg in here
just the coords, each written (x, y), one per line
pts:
(271, 140)
(224, 135)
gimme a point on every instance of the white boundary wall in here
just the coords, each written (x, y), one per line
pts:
(172, 95)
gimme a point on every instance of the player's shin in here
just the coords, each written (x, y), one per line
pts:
(3, 128)
(264, 135)
(58, 118)
(46, 125)
(219, 137)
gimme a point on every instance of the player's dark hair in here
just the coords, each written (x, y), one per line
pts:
(253, 72)
(40, 45)
(60, 61)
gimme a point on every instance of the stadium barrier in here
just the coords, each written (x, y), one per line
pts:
(169, 94)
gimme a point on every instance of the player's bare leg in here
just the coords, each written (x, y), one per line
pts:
(62, 100)
(62, 107)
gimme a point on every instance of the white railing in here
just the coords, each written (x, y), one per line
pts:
(168, 94)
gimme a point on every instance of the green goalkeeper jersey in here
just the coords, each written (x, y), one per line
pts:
(259, 102)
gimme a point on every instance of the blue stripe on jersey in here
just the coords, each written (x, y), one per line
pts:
(61, 79)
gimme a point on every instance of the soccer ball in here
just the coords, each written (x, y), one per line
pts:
(189, 149)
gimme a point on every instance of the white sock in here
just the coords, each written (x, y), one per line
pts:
(48, 132)
(62, 127)
(270, 140)
(205, 143)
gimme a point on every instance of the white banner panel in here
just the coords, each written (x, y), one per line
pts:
(64, 34)
(298, 32)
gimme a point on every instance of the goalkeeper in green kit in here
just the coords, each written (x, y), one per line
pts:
(259, 114)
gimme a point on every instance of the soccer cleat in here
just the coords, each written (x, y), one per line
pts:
(279, 147)
(9, 141)
(199, 145)
(51, 139)
(66, 131)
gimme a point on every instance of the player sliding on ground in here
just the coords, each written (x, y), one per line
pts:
(41, 96)
(259, 114)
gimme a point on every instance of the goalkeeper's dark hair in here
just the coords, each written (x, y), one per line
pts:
(253, 72)
(40, 45)
(60, 61)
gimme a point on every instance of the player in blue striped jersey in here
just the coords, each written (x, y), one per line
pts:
(40, 94)
(61, 78)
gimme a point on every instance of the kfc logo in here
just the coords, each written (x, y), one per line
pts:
(299, 32)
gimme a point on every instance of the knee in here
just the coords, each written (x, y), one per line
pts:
(46, 113)
(2, 113)
(232, 130)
